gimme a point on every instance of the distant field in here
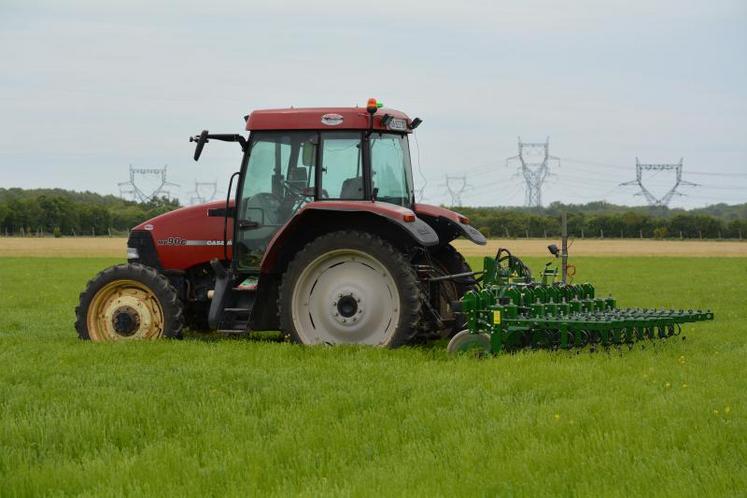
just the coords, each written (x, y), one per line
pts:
(65, 247)
(116, 247)
(610, 247)
(219, 417)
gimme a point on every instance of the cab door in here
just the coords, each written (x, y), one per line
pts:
(279, 178)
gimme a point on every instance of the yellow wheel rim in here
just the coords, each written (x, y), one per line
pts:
(124, 310)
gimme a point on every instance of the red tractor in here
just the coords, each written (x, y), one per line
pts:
(323, 241)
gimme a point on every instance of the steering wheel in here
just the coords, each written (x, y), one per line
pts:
(299, 193)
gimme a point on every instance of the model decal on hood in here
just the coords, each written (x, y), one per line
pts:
(179, 241)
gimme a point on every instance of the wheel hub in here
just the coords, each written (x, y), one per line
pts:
(126, 321)
(346, 308)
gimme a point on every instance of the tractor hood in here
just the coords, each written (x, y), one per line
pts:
(185, 237)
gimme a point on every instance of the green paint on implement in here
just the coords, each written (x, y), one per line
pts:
(514, 311)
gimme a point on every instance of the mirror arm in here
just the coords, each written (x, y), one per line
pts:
(205, 137)
(228, 137)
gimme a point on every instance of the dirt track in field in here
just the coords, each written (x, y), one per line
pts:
(610, 247)
(72, 247)
(115, 247)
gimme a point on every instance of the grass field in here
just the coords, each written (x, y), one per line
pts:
(116, 247)
(204, 417)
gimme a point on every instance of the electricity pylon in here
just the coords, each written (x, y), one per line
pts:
(651, 198)
(534, 164)
(203, 192)
(456, 186)
(131, 189)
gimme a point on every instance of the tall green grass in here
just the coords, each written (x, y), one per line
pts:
(250, 418)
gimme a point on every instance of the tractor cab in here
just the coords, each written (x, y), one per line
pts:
(296, 156)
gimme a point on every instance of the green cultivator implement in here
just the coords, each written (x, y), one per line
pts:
(510, 310)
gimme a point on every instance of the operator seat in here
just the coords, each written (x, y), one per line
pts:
(298, 178)
(352, 188)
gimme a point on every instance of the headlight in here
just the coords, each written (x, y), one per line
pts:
(132, 253)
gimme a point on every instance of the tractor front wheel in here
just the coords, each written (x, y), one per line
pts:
(128, 302)
(349, 287)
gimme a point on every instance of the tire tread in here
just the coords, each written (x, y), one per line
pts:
(402, 272)
(160, 285)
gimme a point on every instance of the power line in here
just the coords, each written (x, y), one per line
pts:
(708, 173)
(421, 190)
(618, 167)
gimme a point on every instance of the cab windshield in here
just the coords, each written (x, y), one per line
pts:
(390, 168)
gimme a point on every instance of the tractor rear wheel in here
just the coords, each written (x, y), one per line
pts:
(349, 287)
(449, 261)
(128, 302)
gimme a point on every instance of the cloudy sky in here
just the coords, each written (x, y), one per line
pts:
(88, 87)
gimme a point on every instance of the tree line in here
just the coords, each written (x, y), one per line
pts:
(598, 220)
(62, 212)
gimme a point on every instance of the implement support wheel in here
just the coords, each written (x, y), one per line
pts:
(465, 342)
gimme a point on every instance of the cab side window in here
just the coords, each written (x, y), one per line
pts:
(279, 179)
(342, 165)
(390, 168)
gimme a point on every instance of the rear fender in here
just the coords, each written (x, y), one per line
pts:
(449, 224)
(314, 219)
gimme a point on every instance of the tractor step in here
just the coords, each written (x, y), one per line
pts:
(237, 310)
(235, 320)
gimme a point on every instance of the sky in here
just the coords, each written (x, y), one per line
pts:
(89, 87)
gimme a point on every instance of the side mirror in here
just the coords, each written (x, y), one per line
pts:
(308, 152)
(553, 250)
(201, 140)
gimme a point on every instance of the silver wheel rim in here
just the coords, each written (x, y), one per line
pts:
(345, 297)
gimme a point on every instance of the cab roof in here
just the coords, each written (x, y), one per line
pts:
(321, 118)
